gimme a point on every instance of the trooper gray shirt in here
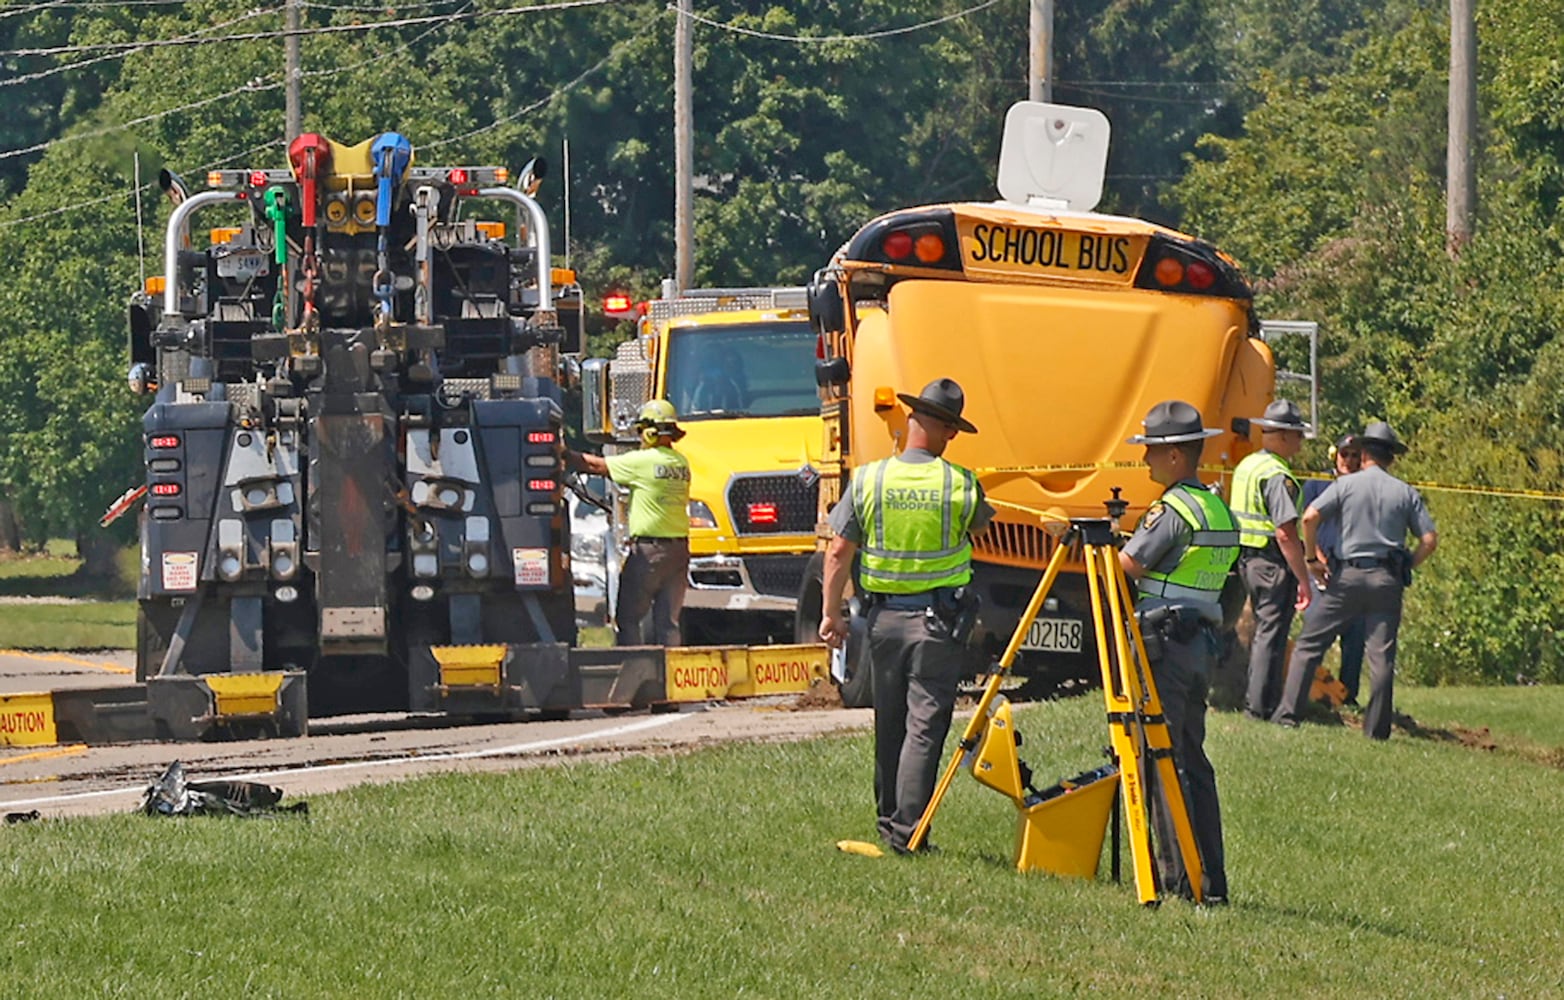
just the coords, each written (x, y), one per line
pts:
(1159, 543)
(1281, 498)
(844, 518)
(1376, 511)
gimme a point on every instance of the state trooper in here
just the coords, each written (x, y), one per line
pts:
(1271, 560)
(1373, 568)
(1346, 458)
(1180, 556)
(656, 570)
(910, 518)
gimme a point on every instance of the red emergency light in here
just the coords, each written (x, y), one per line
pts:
(763, 513)
(457, 176)
(540, 437)
(165, 489)
(619, 305)
(164, 441)
(541, 485)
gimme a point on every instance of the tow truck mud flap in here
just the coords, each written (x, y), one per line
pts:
(198, 706)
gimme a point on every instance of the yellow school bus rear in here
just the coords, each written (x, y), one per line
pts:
(1063, 326)
(738, 369)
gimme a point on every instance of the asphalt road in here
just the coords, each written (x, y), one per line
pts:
(340, 753)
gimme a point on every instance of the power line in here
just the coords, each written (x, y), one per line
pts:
(814, 39)
(558, 92)
(63, 209)
(29, 77)
(329, 29)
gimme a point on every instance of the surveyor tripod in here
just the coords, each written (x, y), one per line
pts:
(1061, 829)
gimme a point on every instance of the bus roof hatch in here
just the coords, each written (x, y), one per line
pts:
(1053, 156)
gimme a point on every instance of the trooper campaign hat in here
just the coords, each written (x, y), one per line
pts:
(1380, 433)
(1172, 422)
(943, 400)
(1281, 415)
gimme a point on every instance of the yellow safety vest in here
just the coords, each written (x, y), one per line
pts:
(1202, 569)
(1254, 520)
(915, 518)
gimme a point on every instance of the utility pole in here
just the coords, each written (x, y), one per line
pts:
(1040, 75)
(1460, 177)
(293, 115)
(683, 152)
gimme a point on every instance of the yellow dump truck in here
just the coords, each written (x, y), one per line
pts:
(1064, 326)
(737, 366)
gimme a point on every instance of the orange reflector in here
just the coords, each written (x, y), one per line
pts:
(156, 285)
(493, 230)
(1169, 272)
(929, 248)
(501, 175)
(224, 234)
(884, 397)
(214, 178)
(563, 276)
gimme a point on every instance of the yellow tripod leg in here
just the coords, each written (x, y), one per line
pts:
(1156, 738)
(974, 730)
(1124, 732)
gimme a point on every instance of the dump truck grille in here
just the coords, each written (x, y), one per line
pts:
(777, 504)
(779, 576)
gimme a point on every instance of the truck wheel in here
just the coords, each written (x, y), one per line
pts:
(858, 690)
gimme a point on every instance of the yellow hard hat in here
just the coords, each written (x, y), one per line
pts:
(657, 412)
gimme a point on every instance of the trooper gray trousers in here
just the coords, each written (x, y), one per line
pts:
(1375, 594)
(1182, 672)
(1273, 594)
(916, 670)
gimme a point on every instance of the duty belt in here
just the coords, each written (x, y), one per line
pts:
(1367, 562)
(903, 602)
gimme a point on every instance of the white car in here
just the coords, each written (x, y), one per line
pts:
(589, 536)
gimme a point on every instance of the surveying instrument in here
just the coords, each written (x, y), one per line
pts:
(1061, 829)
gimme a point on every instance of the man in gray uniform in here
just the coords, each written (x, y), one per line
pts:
(909, 518)
(1265, 500)
(1180, 556)
(1377, 512)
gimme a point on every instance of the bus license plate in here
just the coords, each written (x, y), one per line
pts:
(1055, 635)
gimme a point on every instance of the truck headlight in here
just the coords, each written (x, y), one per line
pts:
(701, 515)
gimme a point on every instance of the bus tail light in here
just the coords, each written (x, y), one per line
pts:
(1188, 266)
(925, 239)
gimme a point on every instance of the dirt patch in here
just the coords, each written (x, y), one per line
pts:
(822, 694)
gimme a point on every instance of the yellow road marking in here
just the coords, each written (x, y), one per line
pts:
(112, 668)
(74, 748)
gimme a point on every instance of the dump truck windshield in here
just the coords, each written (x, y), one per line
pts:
(742, 370)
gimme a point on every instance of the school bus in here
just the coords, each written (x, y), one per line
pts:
(1063, 326)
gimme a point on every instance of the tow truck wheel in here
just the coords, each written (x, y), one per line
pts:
(858, 690)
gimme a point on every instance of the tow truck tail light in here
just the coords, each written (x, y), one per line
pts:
(540, 437)
(164, 489)
(164, 441)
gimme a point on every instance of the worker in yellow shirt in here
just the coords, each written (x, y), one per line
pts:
(656, 571)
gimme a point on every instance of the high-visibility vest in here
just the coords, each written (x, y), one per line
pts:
(1254, 520)
(915, 518)
(1202, 569)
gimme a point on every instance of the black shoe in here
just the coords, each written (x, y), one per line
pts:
(926, 849)
(1213, 901)
(1287, 723)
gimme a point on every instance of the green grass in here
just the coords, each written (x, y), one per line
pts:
(82, 625)
(1414, 868)
(56, 572)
